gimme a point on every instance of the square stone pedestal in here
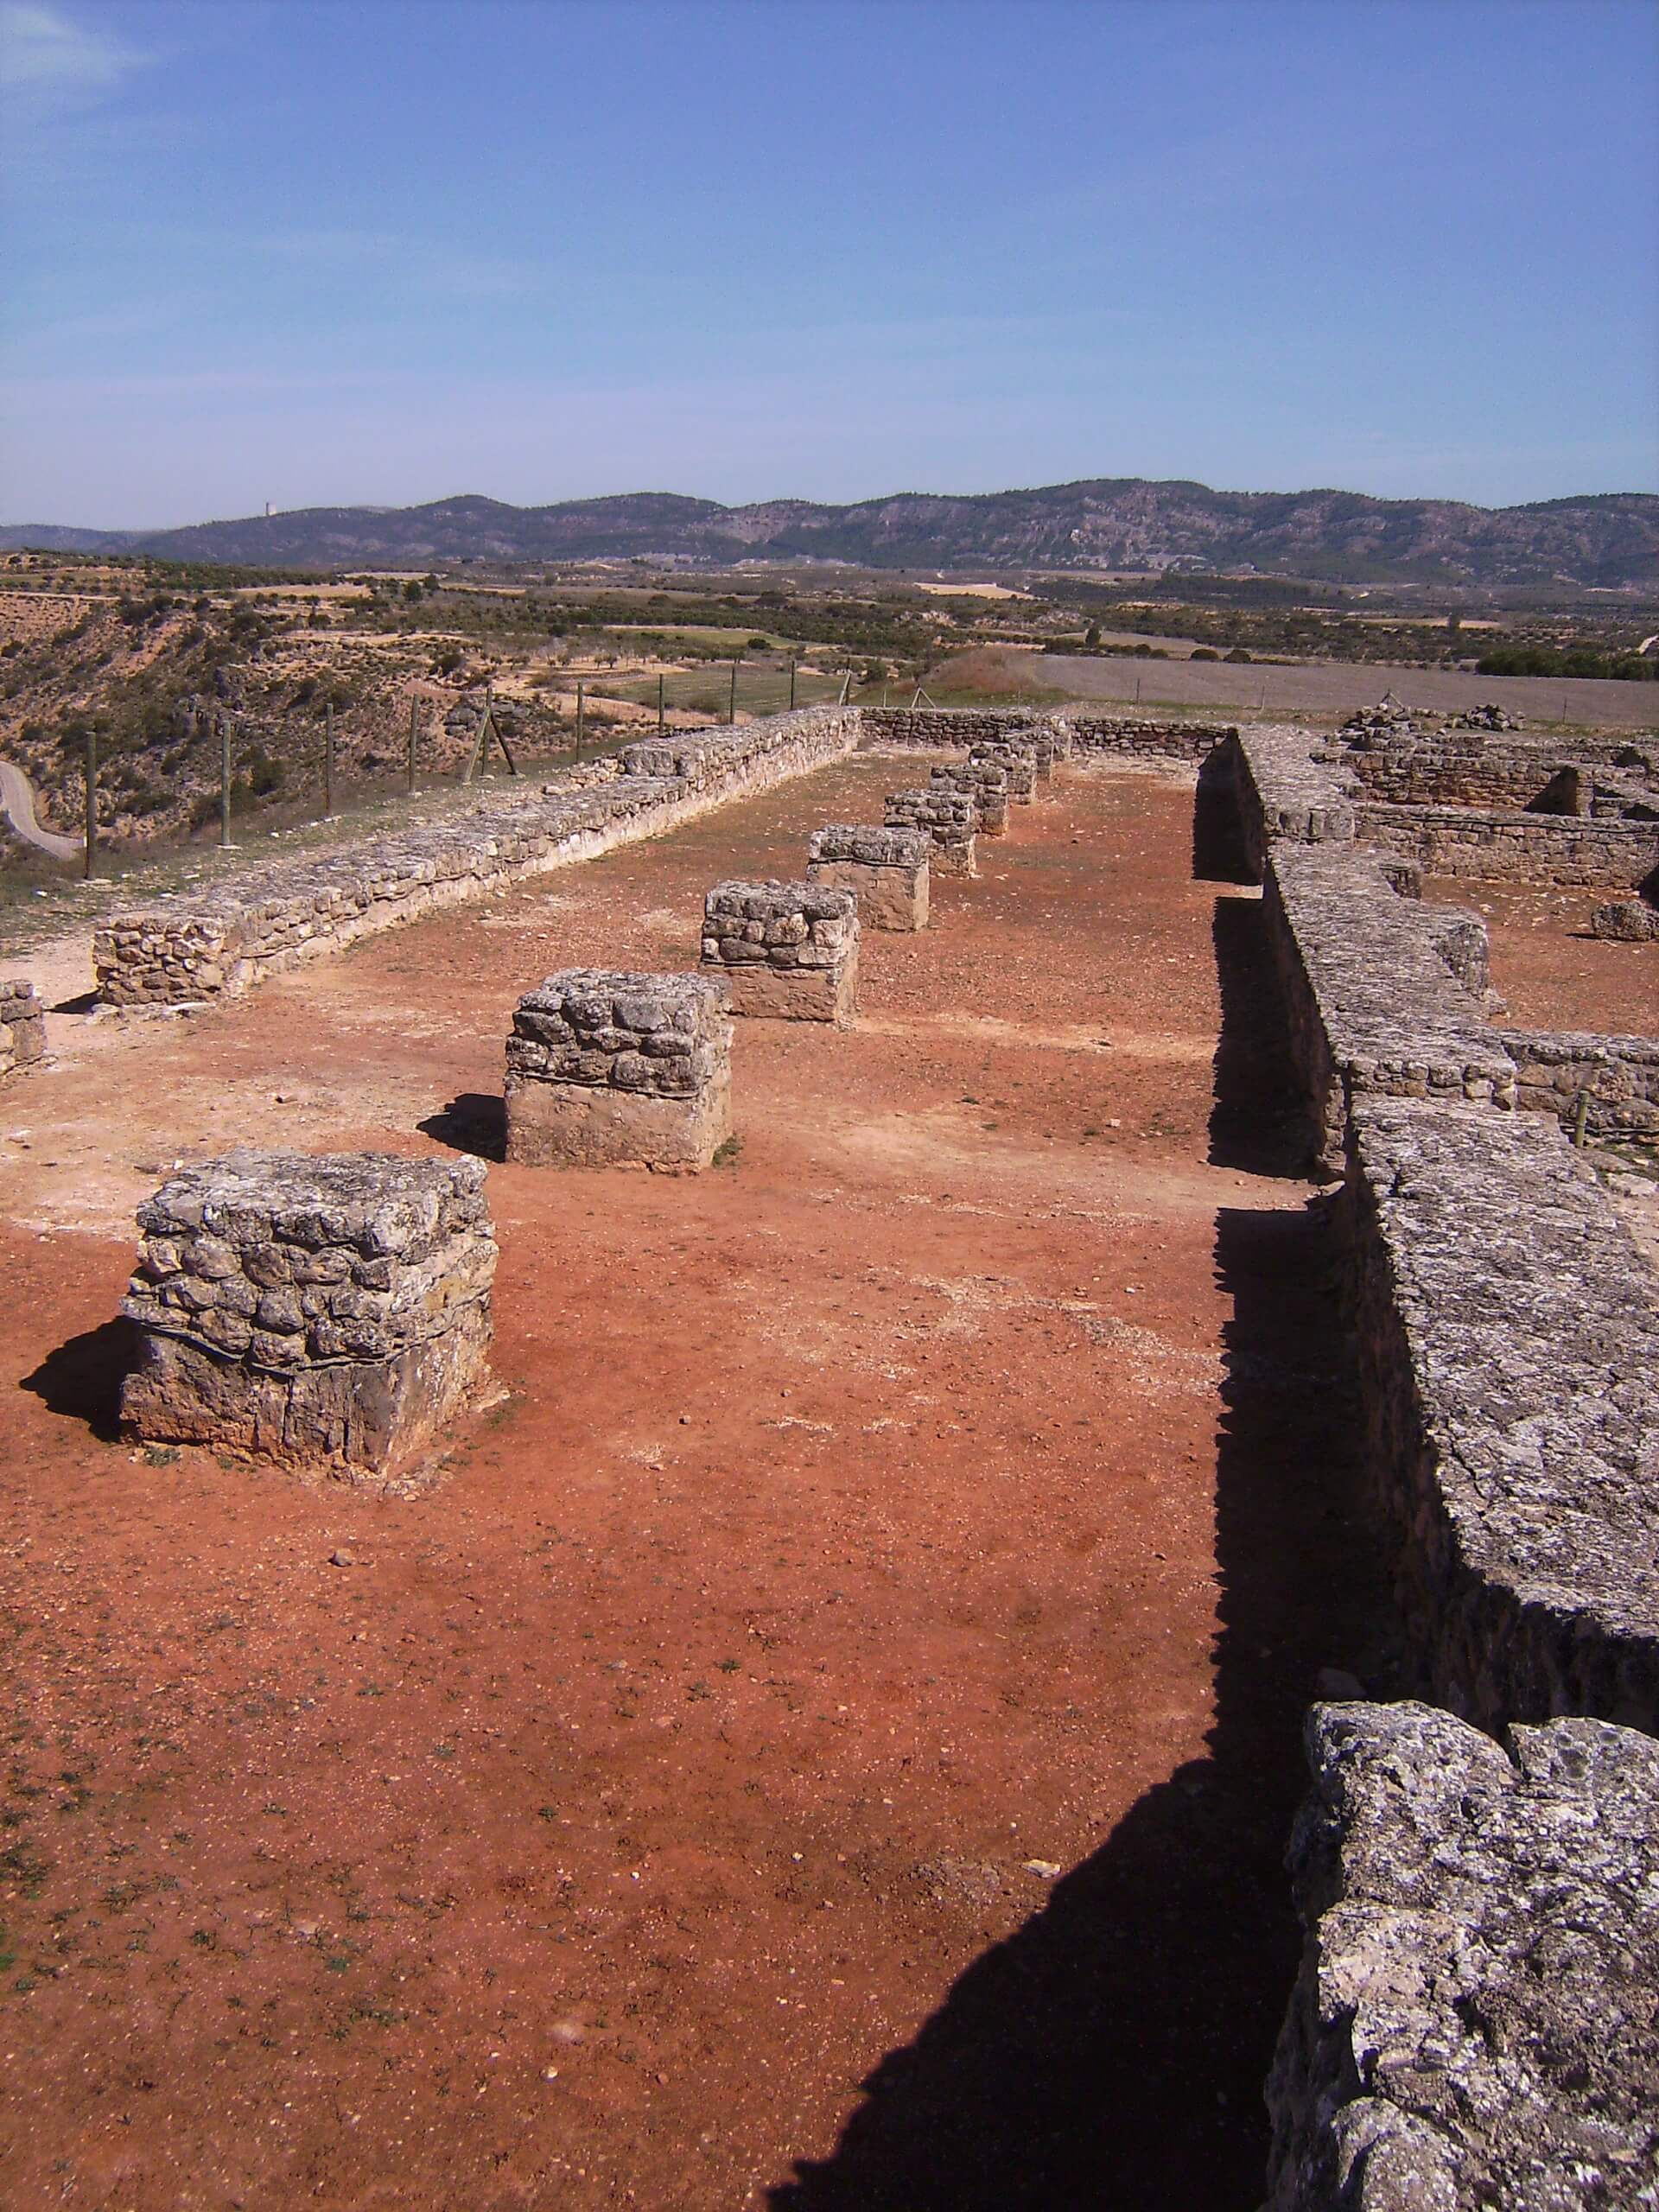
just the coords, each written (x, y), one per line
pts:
(948, 819)
(886, 869)
(787, 951)
(984, 782)
(610, 1069)
(1017, 762)
(327, 1314)
(23, 1024)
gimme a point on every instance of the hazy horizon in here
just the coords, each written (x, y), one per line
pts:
(359, 252)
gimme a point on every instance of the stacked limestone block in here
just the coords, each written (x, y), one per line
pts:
(1474, 2024)
(986, 784)
(331, 1313)
(23, 1024)
(886, 869)
(789, 951)
(1017, 762)
(949, 820)
(608, 1069)
(1038, 741)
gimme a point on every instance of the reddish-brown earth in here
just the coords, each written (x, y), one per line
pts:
(1551, 972)
(828, 1739)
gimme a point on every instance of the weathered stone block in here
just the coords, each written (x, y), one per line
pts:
(787, 951)
(23, 1024)
(948, 819)
(886, 868)
(1017, 763)
(986, 784)
(330, 1314)
(608, 1068)
(1473, 2025)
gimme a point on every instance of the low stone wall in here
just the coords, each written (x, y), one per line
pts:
(1473, 2024)
(329, 1313)
(23, 1024)
(1486, 768)
(1372, 1005)
(1506, 846)
(921, 729)
(1609, 1084)
(1287, 785)
(1508, 1366)
(197, 946)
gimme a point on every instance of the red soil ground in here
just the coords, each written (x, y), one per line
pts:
(830, 1739)
(1551, 973)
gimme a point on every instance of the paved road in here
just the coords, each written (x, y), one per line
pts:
(17, 804)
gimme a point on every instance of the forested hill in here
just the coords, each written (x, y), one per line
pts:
(1106, 522)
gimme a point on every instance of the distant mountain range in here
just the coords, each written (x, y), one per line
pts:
(1107, 523)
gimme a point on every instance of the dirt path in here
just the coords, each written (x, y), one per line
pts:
(17, 804)
(830, 1740)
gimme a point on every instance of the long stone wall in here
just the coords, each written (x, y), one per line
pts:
(1473, 2023)
(202, 944)
(1509, 1366)
(914, 729)
(1372, 1004)
(1288, 786)
(1507, 846)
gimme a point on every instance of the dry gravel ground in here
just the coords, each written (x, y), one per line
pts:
(1551, 973)
(828, 1739)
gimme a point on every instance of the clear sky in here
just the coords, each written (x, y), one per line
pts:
(331, 251)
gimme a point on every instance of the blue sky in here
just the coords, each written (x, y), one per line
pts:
(320, 252)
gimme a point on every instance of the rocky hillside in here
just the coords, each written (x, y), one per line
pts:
(1612, 540)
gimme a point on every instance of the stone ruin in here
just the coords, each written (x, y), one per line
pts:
(1474, 2021)
(986, 783)
(328, 1313)
(948, 818)
(607, 1069)
(886, 869)
(1017, 762)
(23, 1024)
(788, 951)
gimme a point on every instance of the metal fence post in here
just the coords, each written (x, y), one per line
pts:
(90, 869)
(225, 781)
(732, 715)
(661, 702)
(414, 728)
(791, 683)
(328, 765)
(581, 701)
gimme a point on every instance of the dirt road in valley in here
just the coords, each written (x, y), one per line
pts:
(17, 804)
(829, 1741)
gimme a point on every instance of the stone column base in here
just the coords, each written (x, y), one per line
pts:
(575, 1125)
(379, 1422)
(888, 898)
(796, 993)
